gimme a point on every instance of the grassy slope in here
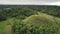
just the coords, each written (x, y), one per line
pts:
(43, 19)
(5, 26)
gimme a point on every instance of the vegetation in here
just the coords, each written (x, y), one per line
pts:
(30, 20)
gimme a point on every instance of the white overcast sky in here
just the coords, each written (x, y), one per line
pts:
(31, 2)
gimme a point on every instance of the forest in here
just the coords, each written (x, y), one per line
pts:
(29, 19)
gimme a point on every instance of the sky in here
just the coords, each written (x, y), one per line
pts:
(30, 2)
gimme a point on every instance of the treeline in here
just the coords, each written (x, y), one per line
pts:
(24, 12)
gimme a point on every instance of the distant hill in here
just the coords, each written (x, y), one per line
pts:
(30, 6)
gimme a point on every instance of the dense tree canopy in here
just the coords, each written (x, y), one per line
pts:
(30, 20)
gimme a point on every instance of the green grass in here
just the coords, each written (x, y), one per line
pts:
(5, 25)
